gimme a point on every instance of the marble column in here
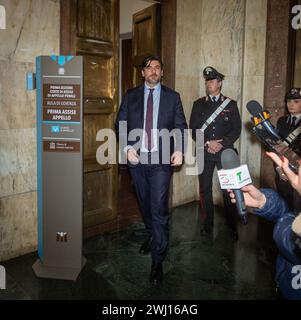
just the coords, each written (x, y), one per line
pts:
(187, 82)
(222, 41)
(254, 51)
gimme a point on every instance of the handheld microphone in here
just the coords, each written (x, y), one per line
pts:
(230, 160)
(269, 136)
(261, 117)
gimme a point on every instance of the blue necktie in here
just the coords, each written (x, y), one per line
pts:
(149, 121)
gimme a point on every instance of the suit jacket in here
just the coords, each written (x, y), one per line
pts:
(226, 126)
(171, 116)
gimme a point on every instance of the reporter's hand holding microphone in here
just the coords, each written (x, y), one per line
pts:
(255, 199)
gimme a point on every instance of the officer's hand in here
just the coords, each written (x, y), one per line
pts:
(132, 155)
(215, 145)
(294, 179)
(210, 150)
(176, 158)
(253, 197)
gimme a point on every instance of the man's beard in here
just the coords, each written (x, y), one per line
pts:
(153, 79)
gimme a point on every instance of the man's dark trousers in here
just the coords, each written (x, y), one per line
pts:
(152, 188)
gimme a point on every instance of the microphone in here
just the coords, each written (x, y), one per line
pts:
(270, 136)
(230, 160)
(261, 117)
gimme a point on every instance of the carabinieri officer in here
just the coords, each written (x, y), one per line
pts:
(219, 134)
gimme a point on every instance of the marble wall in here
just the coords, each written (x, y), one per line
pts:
(253, 77)
(187, 82)
(230, 36)
(32, 29)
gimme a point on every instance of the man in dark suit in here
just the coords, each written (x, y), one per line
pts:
(152, 107)
(286, 125)
(221, 133)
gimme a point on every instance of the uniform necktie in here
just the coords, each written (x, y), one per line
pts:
(149, 121)
(293, 124)
(214, 99)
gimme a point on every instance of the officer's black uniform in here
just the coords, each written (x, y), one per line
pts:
(286, 125)
(226, 126)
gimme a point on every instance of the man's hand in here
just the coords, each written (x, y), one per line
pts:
(294, 179)
(176, 158)
(132, 155)
(253, 197)
(214, 146)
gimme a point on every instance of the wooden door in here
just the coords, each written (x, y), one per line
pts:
(146, 37)
(126, 65)
(90, 28)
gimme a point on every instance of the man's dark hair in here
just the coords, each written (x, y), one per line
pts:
(147, 60)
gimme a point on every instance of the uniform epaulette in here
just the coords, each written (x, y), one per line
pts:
(224, 98)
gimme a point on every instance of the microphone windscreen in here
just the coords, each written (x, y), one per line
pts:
(254, 108)
(230, 159)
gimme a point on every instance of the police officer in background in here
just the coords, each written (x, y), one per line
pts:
(286, 125)
(219, 134)
(290, 122)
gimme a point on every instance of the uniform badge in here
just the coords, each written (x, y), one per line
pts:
(208, 70)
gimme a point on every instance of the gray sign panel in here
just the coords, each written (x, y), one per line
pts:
(60, 166)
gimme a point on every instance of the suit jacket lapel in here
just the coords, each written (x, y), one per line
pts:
(141, 105)
(161, 106)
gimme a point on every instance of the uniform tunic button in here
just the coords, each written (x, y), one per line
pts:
(213, 128)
